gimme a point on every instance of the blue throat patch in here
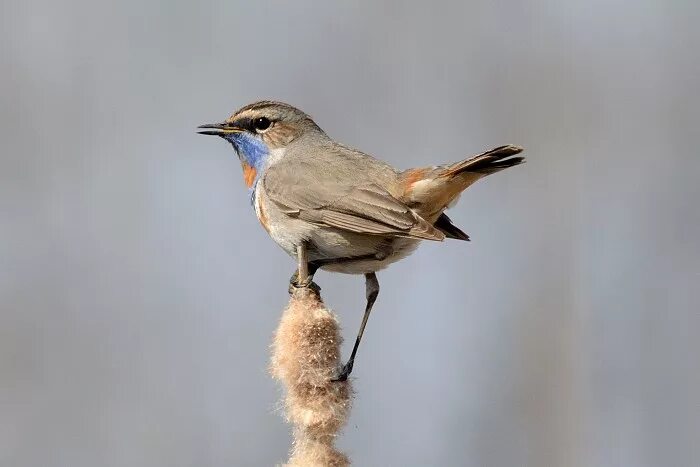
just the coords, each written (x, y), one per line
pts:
(252, 151)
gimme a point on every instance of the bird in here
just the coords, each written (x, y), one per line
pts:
(335, 208)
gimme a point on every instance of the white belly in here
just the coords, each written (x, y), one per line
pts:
(402, 247)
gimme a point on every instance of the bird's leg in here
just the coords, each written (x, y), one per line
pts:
(304, 275)
(372, 290)
(302, 263)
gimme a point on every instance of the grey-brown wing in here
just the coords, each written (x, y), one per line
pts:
(364, 208)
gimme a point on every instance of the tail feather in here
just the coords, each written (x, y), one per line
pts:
(430, 190)
(488, 162)
(445, 225)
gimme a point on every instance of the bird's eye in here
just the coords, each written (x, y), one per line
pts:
(261, 123)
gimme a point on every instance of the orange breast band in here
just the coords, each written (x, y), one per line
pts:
(249, 174)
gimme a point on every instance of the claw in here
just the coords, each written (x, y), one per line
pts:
(308, 283)
(344, 373)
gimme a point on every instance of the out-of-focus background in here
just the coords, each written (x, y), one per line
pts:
(138, 293)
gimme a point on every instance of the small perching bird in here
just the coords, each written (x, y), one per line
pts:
(336, 208)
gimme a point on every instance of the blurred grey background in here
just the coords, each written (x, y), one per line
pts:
(138, 293)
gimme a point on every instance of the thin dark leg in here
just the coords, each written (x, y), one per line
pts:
(372, 290)
(313, 266)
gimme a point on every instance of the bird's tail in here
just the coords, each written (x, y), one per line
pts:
(487, 162)
(431, 190)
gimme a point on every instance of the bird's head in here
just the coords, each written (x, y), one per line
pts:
(261, 132)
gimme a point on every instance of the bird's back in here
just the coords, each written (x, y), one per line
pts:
(332, 163)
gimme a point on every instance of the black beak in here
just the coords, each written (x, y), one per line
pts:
(219, 129)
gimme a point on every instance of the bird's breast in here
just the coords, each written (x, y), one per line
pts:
(259, 206)
(286, 231)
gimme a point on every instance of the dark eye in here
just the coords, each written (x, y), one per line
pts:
(261, 123)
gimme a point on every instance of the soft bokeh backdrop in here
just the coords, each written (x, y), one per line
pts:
(138, 294)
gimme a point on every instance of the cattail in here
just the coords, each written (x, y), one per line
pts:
(305, 359)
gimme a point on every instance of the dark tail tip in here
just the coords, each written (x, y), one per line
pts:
(502, 164)
(495, 160)
(444, 224)
(488, 162)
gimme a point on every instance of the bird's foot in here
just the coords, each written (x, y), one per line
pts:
(294, 284)
(345, 371)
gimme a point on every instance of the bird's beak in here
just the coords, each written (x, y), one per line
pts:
(219, 129)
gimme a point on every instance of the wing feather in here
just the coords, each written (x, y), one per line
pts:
(353, 206)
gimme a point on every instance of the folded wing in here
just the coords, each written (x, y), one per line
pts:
(352, 205)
